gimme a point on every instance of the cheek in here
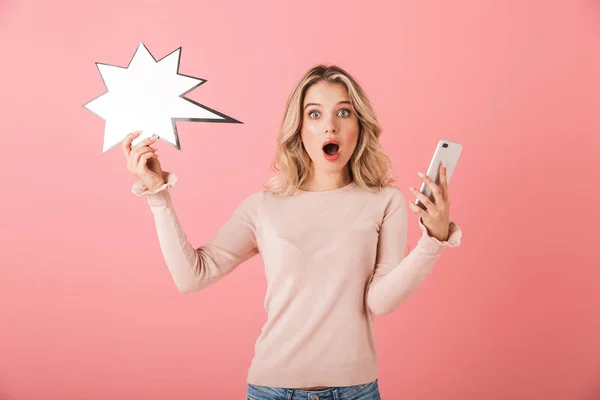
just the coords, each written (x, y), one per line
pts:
(311, 135)
(351, 132)
(312, 129)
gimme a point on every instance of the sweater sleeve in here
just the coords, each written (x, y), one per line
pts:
(398, 272)
(192, 268)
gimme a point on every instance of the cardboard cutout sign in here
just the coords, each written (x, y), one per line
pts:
(147, 96)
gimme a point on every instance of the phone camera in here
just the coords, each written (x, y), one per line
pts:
(445, 145)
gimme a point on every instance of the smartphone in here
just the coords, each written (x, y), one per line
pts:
(446, 151)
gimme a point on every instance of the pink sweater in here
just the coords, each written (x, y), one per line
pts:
(332, 260)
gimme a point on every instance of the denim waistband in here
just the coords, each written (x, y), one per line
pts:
(367, 391)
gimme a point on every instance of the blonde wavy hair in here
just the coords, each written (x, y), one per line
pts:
(368, 166)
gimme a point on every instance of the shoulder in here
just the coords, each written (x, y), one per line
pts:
(392, 192)
(391, 202)
(250, 204)
(254, 197)
(390, 198)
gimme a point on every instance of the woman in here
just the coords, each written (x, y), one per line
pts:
(332, 232)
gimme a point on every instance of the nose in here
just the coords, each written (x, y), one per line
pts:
(330, 127)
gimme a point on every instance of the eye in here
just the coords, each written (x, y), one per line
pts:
(344, 113)
(312, 113)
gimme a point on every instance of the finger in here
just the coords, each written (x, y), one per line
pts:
(435, 189)
(126, 143)
(424, 199)
(417, 210)
(141, 150)
(443, 182)
(145, 142)
(137, 153)
(141, 165)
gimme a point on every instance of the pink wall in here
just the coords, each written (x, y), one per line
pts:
(87, 306)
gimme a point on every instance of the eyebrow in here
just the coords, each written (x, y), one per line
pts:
(317, 104)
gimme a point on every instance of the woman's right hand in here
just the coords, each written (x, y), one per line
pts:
(142, 161)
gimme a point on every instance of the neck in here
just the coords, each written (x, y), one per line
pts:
(319, 181)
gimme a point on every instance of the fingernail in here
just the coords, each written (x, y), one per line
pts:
(422, 175)
(412, 189)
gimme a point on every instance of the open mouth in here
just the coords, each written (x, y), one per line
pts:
(331, 151)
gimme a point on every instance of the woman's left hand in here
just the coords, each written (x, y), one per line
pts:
(437, 216)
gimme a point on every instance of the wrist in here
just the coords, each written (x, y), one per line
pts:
(441, 236)
(152, 187)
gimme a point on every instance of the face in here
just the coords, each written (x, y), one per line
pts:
(329, 126)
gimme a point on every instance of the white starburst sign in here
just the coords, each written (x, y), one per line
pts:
(148, 96)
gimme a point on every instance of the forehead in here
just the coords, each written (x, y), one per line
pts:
(324, 92)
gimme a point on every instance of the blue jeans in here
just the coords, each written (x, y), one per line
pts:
(367, 391)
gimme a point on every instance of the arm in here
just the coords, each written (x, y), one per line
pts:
(193, 269)
(396, 277)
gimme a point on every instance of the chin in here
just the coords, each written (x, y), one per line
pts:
(332, 167)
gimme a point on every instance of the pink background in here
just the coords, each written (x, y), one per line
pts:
(87, 307)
